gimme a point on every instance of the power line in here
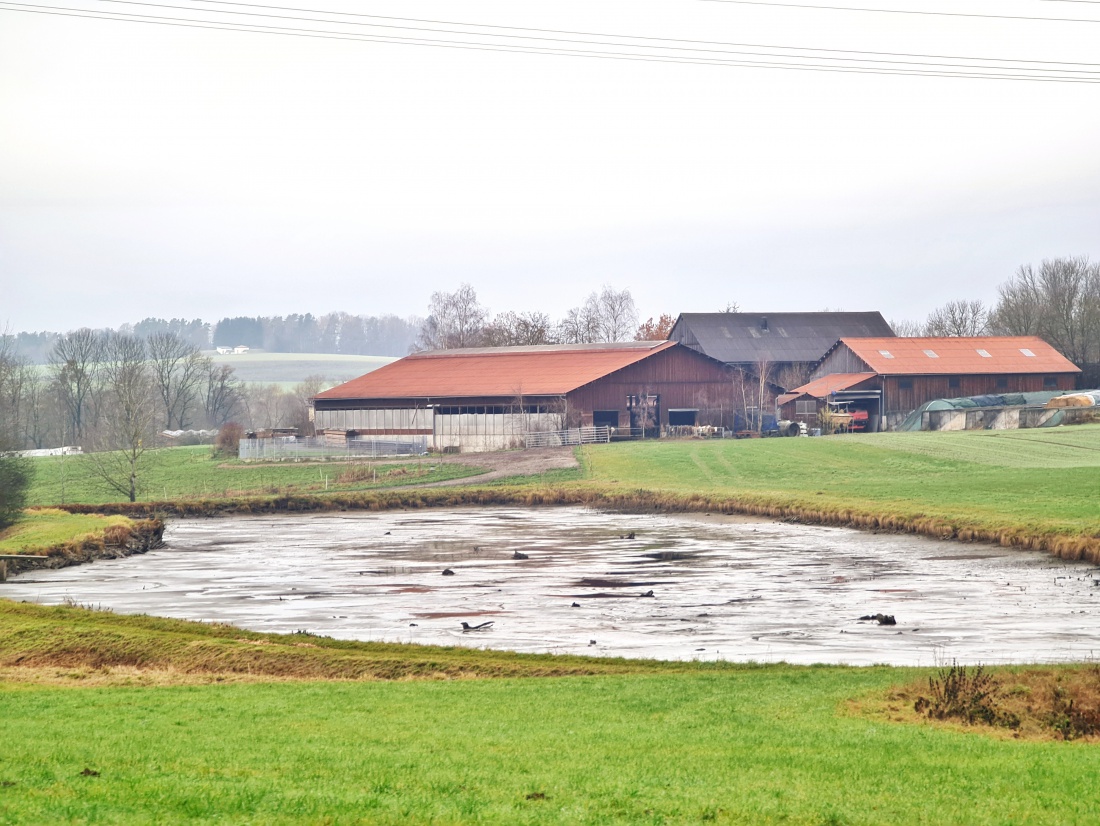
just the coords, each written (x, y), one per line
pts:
(925, 70)
(542, 31)
(906, 11)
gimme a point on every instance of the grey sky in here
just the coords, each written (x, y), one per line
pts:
(156, 171)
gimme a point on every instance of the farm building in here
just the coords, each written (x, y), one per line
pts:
(785, 346)
(488, 398)
(887, 378)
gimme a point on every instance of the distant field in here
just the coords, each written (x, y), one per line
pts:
(291, 368)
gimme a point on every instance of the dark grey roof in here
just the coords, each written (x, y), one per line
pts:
(749, 338)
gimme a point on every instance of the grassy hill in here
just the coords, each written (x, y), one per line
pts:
(257, 366)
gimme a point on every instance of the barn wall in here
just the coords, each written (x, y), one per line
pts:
(926, 388)
(841, 360)
(682, 378)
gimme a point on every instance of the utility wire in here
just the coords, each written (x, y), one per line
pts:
(929, 70)
(906, 11)
(542, 31)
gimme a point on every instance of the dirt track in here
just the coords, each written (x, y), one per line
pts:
(508, 463)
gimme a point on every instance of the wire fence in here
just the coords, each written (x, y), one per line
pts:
(572, 436)
(296, 449)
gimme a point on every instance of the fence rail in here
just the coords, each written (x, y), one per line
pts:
(572, 436)
(295, 449)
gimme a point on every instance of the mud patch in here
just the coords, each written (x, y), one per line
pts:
(750, 590)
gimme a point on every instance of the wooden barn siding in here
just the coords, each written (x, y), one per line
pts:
(682, 378)
(927, 388)
(841, 360)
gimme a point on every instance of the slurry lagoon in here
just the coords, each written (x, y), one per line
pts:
(722, 587)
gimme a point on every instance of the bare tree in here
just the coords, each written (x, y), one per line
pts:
(221, 398)
(958, 319)
(606, 316)
(518, 329)
(127, 430)
(178, 370)
(76, 362)
(1059, 302)
(906, 328)
(454, 320)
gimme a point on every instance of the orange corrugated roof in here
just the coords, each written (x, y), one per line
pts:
(820, 388)
(495, 371)
(939, 356)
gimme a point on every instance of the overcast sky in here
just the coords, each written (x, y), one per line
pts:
(152, 170)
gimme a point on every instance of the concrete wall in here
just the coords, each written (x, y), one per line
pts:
(1005, 418)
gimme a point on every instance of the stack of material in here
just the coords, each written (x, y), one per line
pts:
(1083, 398)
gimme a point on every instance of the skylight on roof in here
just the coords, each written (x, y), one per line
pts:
(932, 354)
(886, 354)
(984, 353)
(1027, 352)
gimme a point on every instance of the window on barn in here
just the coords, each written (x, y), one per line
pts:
(608, 418)
(984, 353)
(954, 383)
(1027, 352)
(1002, 382)
(886, 354)
(1050, 383)
(805, 407)
(905, 384)
(932, 354)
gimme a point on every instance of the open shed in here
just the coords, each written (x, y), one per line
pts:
(489, 398)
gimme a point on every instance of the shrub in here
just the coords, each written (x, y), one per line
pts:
(967, 695)
(228, 441)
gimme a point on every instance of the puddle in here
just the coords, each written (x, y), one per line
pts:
(721, 588)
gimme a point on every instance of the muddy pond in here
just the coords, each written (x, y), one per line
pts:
(591, 582)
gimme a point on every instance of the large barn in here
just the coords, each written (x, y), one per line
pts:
(890, 377)
(785, 346)
(488, 398)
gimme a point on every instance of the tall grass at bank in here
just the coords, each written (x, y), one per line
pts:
(194, 472)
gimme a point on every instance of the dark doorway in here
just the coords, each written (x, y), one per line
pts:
(682, 418)
(605, 418)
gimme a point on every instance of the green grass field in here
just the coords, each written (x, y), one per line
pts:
(288, 369)
(1035, 481)
(190, 472)
(48, 528)
(112, 719)
(630, 742)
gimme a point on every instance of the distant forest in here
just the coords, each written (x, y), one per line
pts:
(342, 333)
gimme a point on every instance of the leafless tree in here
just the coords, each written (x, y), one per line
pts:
(905, 328)
(178, 370)
(606, 316)
(1059, 302)
(127, 430)
(454, 320)
(221, 399)
(518, 329)
(76, 365)
(958, 319)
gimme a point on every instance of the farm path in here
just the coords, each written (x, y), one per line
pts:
(504, 464)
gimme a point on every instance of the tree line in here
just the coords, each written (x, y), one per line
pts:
(1058, 301)
(458, 319)
(336, 333)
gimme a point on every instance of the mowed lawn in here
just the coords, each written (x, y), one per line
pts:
(750, 745)
(1035, 480)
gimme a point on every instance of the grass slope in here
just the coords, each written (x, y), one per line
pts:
(652, 743)
(48, 528)
(1040, 482)
(190, 472)
(288, 369)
